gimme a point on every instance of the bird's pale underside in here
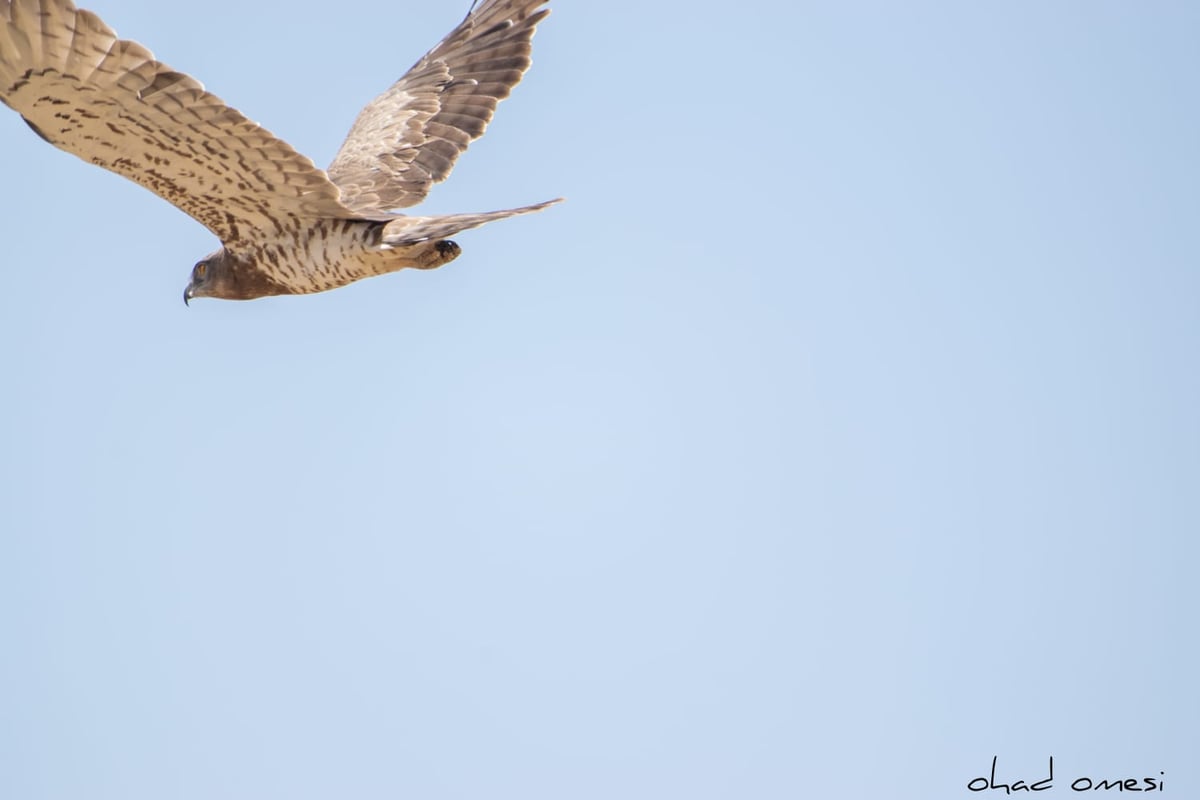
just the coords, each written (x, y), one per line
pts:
(286, 227)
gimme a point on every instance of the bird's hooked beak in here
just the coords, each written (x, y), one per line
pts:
(187, 294)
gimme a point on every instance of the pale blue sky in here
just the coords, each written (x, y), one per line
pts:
(839, 433)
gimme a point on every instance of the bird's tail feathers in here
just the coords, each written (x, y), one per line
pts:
(413, 230)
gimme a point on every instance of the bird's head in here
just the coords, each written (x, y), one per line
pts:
(209, 277)
(229, 276)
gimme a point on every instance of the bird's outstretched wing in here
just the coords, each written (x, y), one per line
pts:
(409, 137)
(109, 102)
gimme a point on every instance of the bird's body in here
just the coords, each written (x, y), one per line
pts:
(286, 227)
(326, 254)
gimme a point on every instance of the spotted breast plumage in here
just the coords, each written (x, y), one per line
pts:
(286, 227)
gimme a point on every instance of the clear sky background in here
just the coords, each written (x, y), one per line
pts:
(839, 433)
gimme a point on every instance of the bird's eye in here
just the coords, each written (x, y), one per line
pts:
(201, 268)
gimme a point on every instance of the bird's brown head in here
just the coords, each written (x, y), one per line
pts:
(206, 277)
(229, 276)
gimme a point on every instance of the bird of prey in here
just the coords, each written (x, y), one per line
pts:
(286, 227)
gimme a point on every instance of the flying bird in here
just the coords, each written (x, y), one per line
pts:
(286, 227)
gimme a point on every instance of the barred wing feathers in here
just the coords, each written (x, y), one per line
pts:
(409, 137)
(109, 102)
